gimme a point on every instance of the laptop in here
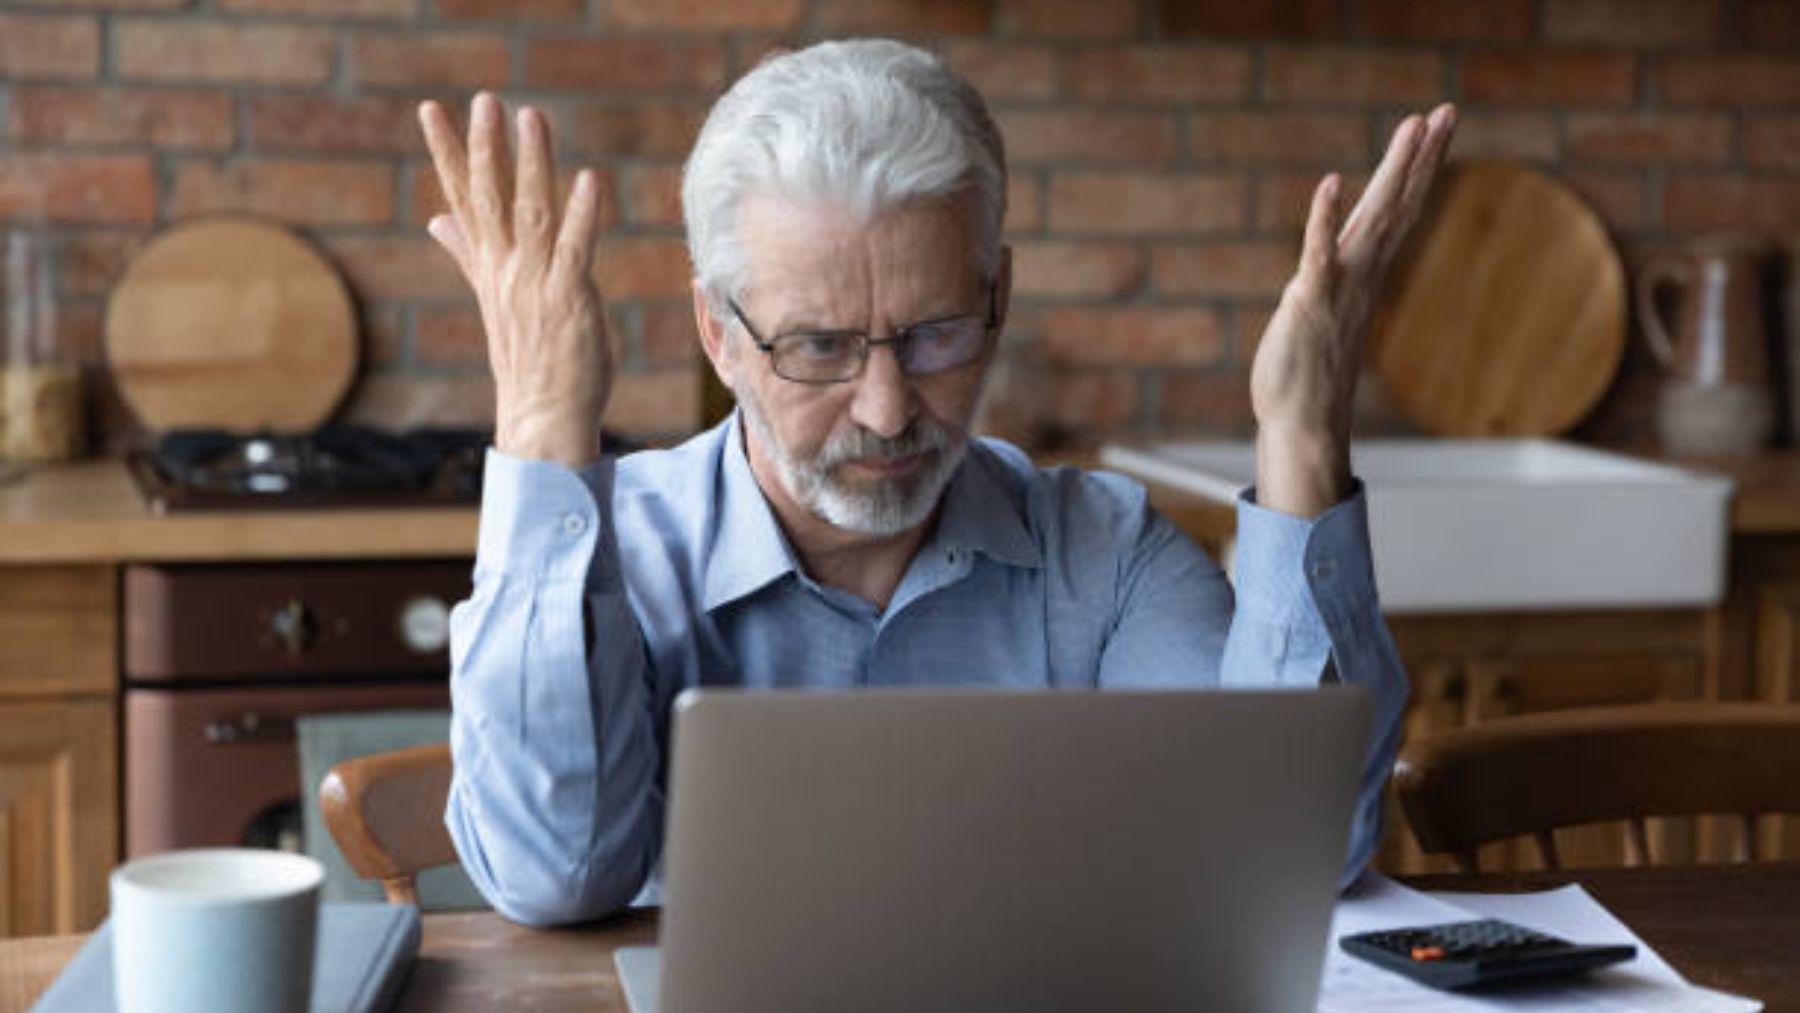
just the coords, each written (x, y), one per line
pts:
(987, 850)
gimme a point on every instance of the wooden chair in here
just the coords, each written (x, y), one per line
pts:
(386, 812)
(1533, 774)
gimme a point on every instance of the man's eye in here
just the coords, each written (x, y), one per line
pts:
(819, 346)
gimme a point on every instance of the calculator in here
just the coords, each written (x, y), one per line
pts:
(1470, 954)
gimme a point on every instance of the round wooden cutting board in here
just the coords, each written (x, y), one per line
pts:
(1507, 315)
(231, 324)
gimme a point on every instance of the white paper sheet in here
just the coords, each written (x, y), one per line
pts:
(1647, 983)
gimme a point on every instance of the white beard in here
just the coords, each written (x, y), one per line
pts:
(892, 505)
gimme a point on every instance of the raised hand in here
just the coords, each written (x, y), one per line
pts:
(1303, 382)
(531, 270)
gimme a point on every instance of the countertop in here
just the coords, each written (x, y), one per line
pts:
(91, 512)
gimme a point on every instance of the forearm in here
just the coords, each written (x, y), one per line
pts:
(1301, 472)
(553, 806)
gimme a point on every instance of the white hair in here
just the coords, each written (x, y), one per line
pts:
(866, 124)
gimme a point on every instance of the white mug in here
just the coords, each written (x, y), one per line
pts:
(215, 929)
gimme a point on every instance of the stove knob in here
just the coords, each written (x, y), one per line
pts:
(425, 625)
(294, 627)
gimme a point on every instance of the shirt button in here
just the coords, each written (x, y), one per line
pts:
(1324, 569)
(573, 524)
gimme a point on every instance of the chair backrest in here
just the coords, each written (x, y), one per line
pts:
(1533, 774)
(386, 812)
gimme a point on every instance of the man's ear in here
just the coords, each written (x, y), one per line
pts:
(712, 335)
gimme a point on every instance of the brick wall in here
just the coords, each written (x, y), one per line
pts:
(1161, 151)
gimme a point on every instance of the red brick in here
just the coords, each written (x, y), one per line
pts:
(427, 200)
(104, 189)
(1157, 74)
(407, 401)
(1648, 139)
(667, 335)
(1635, 23)
(654, 403)
(1067, 19)
(388, 267)
(1769, 24)
(169, 50)
(1082, 407)
(1707, 203)
(1620, 198)
(1024, 202)
(624, 129)
(318, 123)
(166, 119)
(1528, 137)
(1088, 135)
(1279, 138)
(431, 59)
(1232, 269)
(89, 264)
(301, 192)
(1730, 80)
(1772, 143)
(1006, 70)
(706, 15)
(1352, 75)
(1248, 323)
(348, 10)
(1287, 19)
(118, 5)
(450, 336)
(653, 195)
(1444, 20)
(46, 45)
(384, 336)
(1284, 198)
(512, 10)
(950, 17)
(1214, 403)
(1552, 76)
(1080, 270)
(631, 268)
(1133, 335)
(1146, 204)
(648, 63)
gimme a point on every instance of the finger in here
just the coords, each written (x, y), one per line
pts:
(575, 240)
(488, 190)
(447, 156)
(535, 196)
(449, 235)
(1319, 253)
(1439, 128)
(1379, 197)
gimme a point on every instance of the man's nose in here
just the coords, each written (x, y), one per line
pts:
(885, 401)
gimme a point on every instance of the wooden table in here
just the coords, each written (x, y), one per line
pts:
(1735, 928)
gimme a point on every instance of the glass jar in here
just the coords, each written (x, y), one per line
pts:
(40, 385)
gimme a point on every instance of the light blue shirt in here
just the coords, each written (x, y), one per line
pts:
(600, 594)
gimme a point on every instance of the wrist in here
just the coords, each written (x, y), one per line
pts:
(571, 442)
(1302, 471)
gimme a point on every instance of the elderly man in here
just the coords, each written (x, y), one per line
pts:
(844, 207)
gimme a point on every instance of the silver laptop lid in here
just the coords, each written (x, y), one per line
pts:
(979, 850)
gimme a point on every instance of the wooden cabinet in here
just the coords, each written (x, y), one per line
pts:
(59, 761)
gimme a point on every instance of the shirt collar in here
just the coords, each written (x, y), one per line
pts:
(981, 513)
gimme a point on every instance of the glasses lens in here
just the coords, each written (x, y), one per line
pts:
(816, 357)
(947, 344)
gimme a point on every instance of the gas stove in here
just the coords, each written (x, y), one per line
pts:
(334, 466)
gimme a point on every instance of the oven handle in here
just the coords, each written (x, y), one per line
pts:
(249, 727)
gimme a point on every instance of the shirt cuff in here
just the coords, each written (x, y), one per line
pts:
(1328, 557)
(540, 519)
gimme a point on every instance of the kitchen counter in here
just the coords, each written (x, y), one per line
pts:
(91, 512)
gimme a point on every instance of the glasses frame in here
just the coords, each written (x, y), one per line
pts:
(990, 323)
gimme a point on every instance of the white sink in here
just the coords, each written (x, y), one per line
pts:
(1487, 525)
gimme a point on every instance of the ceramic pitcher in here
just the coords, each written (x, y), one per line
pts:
(1716, 396)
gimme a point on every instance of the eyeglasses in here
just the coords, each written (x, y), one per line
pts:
(931, 346)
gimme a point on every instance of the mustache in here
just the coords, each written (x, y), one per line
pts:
(920, 437)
